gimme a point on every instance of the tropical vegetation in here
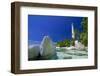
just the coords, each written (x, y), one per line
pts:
(81, 36)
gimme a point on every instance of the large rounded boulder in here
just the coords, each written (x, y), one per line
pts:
(47, 49)
(33, 52)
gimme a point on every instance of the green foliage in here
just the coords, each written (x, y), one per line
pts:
(72, 42)
(67, 42)
(84, 38)
(77, 33)
(84, 34)
(85, 24)
(63, 43)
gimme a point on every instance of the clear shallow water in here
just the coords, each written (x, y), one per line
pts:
(65, 53)
(71, 54)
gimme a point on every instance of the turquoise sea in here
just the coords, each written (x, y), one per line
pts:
(71, 54)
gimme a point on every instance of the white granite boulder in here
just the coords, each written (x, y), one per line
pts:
(47, 48)
(79, 45)
(33, 52)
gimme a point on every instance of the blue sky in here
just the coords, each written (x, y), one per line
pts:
(57, 28)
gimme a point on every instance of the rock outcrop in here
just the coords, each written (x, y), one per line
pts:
(33, 52)
(47, 49)
(79, 45)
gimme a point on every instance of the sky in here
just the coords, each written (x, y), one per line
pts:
(58, 28)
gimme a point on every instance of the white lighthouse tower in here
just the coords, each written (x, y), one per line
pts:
(73, 33)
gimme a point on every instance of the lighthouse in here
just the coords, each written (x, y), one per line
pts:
(73, 33)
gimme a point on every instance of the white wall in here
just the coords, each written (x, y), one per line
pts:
(5, 33)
